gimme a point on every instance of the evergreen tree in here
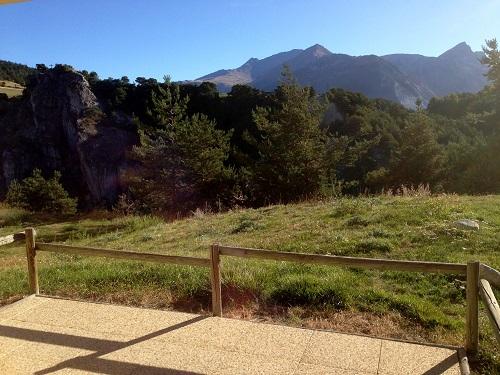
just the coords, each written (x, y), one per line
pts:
(492, 59)
(181, 158)
(419, 159)
(290, 146)
(483, 174)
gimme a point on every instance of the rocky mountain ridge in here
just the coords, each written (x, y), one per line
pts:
(403, 78)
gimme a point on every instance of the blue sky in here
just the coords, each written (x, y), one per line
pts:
(190, 38)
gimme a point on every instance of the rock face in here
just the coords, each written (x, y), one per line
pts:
(58, 125)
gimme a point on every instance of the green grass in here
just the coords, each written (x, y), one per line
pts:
(423, 307)
(10, 88)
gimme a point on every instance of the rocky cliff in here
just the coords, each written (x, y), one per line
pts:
(58, 125)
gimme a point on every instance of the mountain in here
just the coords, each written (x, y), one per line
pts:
(457, 70)
(245, 74)
(402, 78)
(371, 75)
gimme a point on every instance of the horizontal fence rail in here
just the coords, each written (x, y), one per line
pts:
(5, 240)
(125, 254)
(381, 264)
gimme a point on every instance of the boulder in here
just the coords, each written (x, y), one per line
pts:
(466, 224)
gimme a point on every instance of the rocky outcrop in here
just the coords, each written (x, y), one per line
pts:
(58, 125)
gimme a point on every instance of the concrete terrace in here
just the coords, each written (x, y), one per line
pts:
(42, 335)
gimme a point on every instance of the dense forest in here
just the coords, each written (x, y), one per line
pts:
(199, 148)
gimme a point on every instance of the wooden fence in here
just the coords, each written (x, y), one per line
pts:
(479, 277)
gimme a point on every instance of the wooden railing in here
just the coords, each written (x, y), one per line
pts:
(489, 275)
(478, 276)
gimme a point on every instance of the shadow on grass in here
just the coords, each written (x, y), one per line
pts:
(72, 232)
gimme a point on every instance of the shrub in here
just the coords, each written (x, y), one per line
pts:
(35, 193)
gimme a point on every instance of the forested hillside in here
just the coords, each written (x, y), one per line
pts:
(17, 73)
(165, 147)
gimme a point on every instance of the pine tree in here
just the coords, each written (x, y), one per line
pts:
(181, 159)
(492, 59)
(419, 159)
(290, 147)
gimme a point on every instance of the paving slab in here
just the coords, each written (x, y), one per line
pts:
(344, 351)
(402, 358)
(121, 320)
(22, 306)
(42, 335)
(309, 369)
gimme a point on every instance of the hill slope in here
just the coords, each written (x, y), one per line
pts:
(10, 88)
(404, 305)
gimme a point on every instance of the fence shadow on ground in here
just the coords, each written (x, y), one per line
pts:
(92, 362)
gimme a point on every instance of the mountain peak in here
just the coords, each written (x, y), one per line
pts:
(317, 51)
(460, 50)
(252, 60)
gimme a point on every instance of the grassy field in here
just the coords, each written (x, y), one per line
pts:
(10, 88)
(391, 304)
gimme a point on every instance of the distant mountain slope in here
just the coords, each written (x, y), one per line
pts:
(403, 78)
(245, 74)
(370, 75)
(457, 70)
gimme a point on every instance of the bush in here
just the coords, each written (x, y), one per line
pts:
(35, 193)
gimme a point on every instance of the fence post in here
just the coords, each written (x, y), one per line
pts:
(216, 280)
(31, 257)
(472, 322)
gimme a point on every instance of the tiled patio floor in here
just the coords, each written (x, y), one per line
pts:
(41, 335)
